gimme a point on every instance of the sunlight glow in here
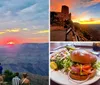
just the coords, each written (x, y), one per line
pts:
(11, 43)
(87, 21)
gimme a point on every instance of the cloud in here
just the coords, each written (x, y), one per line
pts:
(13, 30)
(86, 3)
(25, 29)
(9, 30)
(16, 5)
(91, 21)
(85, 18)
(44, 31)
(41, 32)
(23, 14)
(2, 33)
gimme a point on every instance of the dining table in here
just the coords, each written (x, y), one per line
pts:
(87, 46)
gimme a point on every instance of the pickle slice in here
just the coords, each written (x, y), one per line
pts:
(53, 65)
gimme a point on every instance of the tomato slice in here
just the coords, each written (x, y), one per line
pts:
(87, 71)
(86, 66)
(83, 66)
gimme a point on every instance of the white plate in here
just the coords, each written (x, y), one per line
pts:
(63, 79)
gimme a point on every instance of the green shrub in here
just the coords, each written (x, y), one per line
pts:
(8, 76)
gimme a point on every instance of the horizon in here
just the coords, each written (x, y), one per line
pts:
(23, 43)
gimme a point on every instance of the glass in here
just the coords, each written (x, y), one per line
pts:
(96, 46)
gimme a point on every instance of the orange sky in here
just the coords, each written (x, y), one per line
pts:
(35, 36)
(84, 18)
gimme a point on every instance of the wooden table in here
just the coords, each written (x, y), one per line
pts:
(54, 46)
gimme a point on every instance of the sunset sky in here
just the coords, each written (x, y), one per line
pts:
(83, 11)
(23, 21)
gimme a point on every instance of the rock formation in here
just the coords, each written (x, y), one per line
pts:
(58, 18)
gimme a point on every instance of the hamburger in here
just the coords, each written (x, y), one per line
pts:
(82, 67)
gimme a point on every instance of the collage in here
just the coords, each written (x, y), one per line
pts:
(49, 42)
